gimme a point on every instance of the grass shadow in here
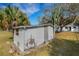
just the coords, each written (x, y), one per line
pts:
(64, 47)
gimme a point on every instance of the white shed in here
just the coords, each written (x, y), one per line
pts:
(26, 37)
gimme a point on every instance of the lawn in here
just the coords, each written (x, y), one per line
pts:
(6, 41)
(67, 35)
(65, 44)
(42, 51)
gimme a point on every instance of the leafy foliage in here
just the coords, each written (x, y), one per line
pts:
(9, 13)
(46, 19)
(58, 14)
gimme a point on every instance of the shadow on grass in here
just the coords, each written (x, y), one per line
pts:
(11, 38)
(64, 47)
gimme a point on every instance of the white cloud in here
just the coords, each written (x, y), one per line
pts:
(29, 9)
(32, 9)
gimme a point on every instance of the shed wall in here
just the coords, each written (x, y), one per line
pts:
(37, 34)
(50, 33)
(19, 39)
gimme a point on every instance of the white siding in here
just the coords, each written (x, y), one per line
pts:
(39, 34)
(72, 29)
(45, 34)
(50, 33)
(64, 29)
(36, 33)
(19, 38)
(75, 29)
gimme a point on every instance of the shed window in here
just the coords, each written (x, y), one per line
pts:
(66, 27)
(74, 27)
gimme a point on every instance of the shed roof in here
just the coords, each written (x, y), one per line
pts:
(36, 26)
(72, 25)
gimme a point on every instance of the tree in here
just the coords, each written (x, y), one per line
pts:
(72, 9)
(9, 13)
(46, 19)
(60, 19)
(1, 18)
(63, 46)
(57, 17)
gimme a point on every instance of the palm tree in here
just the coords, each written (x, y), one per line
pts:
(15, 12)
(3, 20)
(8, 14)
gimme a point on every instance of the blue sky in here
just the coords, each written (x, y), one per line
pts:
(33, 10)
